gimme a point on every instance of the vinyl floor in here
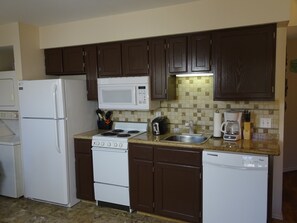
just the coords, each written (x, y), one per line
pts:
(28, 211)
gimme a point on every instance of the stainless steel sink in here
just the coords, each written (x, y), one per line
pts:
(195, 138)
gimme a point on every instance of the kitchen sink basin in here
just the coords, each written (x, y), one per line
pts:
(192, 139)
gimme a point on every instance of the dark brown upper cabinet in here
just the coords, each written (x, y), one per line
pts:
(135, 58)
(244, 61)
(199, 52)
(91, 71)
(177, 54)
(64, 61)
(162, 85)
(53, 61)
(110, 59)
(73, 60)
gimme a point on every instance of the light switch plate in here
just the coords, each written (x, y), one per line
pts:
(265, 122)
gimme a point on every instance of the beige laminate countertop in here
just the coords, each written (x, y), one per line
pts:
(266, 147)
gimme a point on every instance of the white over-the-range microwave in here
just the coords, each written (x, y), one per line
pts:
(125, 93)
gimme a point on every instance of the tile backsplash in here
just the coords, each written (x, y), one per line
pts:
(195, 102)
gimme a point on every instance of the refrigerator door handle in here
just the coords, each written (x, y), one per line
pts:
(55, 101)
(57, 137)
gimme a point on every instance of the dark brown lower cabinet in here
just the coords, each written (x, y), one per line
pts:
(166, 181)
(84, 169)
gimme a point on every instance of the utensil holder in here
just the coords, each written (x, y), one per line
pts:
(103, 125)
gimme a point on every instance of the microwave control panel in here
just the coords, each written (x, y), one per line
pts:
(141, 95)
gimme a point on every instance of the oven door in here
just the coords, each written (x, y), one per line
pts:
(110, 166)
(111, 180)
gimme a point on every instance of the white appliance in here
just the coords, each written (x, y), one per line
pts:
(234, 187)
(125, 93)
(110, 164)
(11, 177)
(51, 112)
(231, 127)
(8, 91)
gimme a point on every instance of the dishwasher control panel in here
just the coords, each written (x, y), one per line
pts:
(254, 161)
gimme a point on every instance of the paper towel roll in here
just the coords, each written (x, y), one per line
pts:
(217, 121)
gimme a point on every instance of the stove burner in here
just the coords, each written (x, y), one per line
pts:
(117, 130)
(123, 135)
(109, 134)
(133, 131)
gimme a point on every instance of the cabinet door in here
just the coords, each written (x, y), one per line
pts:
(73, 60)
(141, 177)
(84, 169)
(91, 71)
(110, 60)
(53, 61)
(177, 54)
(244, 60)
(135, 58)
(158, 68)
(200, 52)
(178, 192)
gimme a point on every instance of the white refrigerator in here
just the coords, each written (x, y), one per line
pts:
(52, 111)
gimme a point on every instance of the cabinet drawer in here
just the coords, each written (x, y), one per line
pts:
(140, 151)
(83, 146)
(183, 157)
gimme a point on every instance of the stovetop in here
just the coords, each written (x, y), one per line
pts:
(119, 135)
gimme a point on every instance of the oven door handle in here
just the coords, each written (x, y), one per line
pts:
(113, 150)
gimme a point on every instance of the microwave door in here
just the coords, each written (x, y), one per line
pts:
(117, 97)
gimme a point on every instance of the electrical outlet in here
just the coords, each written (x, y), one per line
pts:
(158, 113)
(265, 122)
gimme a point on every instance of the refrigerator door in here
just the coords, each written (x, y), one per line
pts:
(42, 98)
(45, 160)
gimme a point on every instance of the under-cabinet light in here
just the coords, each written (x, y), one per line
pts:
(194, 75)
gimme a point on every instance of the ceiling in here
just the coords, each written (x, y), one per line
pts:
(49, 12)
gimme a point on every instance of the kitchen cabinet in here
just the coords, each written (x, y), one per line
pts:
(199, 52)
(84, 169)
(64, 61)
(166, 181)
(244, 61)
(135, 58)
(91, 71)
(128, 58)
(177, 57)
(73, 60)
(162, 85)
(53, 61)
(141, 177)
(110, 59)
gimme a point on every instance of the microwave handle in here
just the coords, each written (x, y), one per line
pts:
(135, 95)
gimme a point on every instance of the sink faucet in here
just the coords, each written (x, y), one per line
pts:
(190, 124)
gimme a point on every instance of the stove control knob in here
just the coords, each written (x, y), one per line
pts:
(120, 145)
(102, 143)
(108, 144)
(115, 144)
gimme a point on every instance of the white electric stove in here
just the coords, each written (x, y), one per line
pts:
(110, 164)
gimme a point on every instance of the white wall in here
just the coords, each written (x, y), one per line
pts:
(28, 57)
(9, 36)
(189, 17)
(31, 55)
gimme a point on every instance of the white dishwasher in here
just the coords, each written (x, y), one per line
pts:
(234, 187)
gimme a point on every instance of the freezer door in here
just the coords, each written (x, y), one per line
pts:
(42, 98)
(45, 160)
